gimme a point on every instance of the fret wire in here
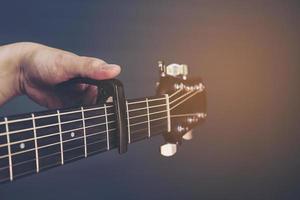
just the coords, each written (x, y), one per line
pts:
(106, 121)
(138, 136)
(89, 144)
(52, 154)
(147, 121)
(57, 133)
(138, 109)
(79, 138)
(71, 121)
(53, 134)
(168, 112)
(53, 115)
(84, 131)
(7, 121)
(60, 135)
(128, 122)
(36, 146)
(142, 129)
(49, 135)
(79, 146)
(71, 112)
(54, 164)
(148, 116)
(9, 151)
(53, 144)
(138, 102)
(55, 124)
(144, 115)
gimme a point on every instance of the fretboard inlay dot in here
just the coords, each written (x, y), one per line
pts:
(72, 134)
(22, 146)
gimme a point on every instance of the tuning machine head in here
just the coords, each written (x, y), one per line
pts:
(186, 104)
(174, 70)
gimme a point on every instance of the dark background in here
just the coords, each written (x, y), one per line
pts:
(246, 51)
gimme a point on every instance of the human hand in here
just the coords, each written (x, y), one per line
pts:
(36, 70)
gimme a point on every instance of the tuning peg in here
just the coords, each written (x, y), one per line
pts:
(188, 135)
(177, 70)
(168, 149)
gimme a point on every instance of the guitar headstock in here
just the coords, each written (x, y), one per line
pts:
(187, 104)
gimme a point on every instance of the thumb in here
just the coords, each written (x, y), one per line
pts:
(88, 67)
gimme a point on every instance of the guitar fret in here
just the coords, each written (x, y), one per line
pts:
(168, 112)
(9, 150)
(106, 121)
(35, 144)
(148, 115)
(128, 123)
(53, 138)
(84, 131)
(61, 141)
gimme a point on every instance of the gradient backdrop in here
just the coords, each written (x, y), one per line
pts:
(248, 53)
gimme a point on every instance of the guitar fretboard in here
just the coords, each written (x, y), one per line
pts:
(34, 142)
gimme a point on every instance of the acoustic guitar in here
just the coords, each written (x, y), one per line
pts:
(31, 143)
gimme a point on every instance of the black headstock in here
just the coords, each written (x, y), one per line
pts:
(187, 103)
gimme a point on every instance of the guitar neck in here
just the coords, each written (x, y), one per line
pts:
(30, 143)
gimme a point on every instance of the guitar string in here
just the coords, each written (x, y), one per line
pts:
(55, 124)
(85, 110)
(77, 147)
(99, 125)
(88, 118)
(72, 112)
(45, 146)
(66, 122)
(186, 115)
(57, 133)
(53, 144)
(135, 131)
(54, 115)
(51, 165)
(55, 164)
(58, 152)
(76, 129)
(185, 99)
(149, 100)
(94, 125)
(67, 113)
(103, 140)
(80, 156)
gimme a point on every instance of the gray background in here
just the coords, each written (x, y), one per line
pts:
(246, 51)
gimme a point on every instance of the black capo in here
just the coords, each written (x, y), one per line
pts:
(114, 88)
(111, 88)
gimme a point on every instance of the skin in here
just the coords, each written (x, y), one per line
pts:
(42, 73)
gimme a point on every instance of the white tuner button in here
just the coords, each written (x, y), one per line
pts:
(188, 135)
(177, 70)
(168, 149)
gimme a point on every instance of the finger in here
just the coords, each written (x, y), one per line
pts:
(90, 96)
(88, 67)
